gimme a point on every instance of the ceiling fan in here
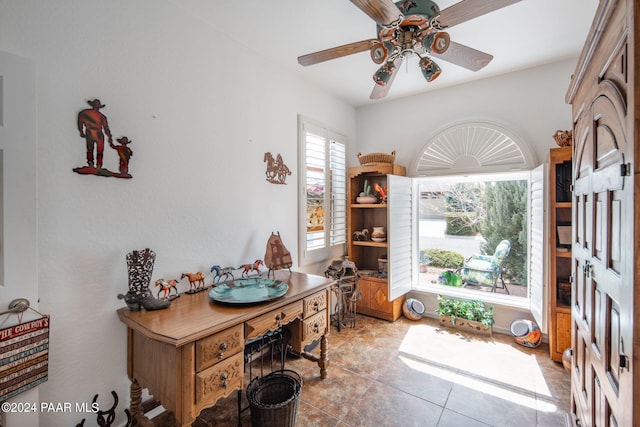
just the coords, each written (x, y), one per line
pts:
(409, 27)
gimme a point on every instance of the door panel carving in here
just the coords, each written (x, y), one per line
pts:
(602, 390)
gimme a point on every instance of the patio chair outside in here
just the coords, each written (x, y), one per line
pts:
(486, 270)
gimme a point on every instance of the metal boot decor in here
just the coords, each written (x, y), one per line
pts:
(140, 267)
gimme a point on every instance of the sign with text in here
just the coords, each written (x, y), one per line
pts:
(24, 357)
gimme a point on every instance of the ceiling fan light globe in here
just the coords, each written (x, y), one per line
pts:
(379, 53)
(437, 42)
(430, 70)
(384, 73)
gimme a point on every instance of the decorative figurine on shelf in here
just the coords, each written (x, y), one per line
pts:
(93, 125)
(361, 235)
(140, 267)
(196, 281)
(366, 196)
(248, 268)
(378, 234)
(276, 256)
(166, 286)
(382, 191)
(277, 171)
(226, 272)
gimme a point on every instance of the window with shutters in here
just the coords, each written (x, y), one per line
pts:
(477, 176)
(323, 193)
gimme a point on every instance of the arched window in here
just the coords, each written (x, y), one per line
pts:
(465, 175)
(473, 147)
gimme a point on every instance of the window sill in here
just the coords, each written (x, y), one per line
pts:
(487, 297)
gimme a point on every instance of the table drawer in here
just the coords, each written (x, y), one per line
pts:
(272, 320)
(314, 327)
(220, 380)
(315, 304)
(220, 346)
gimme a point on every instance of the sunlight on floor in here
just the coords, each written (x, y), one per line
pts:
(476, 358)
(480, 386)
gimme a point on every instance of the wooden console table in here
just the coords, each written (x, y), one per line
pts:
(191, 354)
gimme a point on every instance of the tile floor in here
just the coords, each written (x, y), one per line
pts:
(408, 373)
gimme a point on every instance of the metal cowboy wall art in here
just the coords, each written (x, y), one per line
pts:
(93, 125)
(277, 171)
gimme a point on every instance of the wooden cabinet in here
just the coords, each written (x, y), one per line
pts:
(560, 251)
(375, 302)
(604, 94)
(366, 253)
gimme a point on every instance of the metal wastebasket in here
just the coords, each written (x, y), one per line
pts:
(273, 399)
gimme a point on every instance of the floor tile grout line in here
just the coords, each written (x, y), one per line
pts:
(482, 378)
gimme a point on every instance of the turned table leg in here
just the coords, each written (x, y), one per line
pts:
(323, 360)
(323, 363)
(137, 413)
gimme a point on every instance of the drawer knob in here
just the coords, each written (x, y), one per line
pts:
(278, 317)
(316, 304)
(316, 328)
(223, 348)
(224, 377)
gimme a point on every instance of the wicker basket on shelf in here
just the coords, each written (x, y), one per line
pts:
(563, 138)
(377, 158)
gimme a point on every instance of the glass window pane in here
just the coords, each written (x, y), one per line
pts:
(462, 222)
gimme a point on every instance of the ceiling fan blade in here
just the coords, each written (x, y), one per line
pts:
(384, 12)
(380, 92)
(469, 9)
(336, 52)
(465, 56)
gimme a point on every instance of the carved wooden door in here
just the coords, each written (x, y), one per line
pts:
(602, 303)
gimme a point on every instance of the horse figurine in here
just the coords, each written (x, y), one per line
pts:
(220, 273)
(248, 268)
(196, 281)
(166, 286)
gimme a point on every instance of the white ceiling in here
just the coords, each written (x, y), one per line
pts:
(523, 35)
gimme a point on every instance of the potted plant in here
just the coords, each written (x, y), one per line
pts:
(424, 261)
(366, 196)
(466, 315)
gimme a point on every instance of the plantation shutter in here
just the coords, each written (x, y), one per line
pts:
(337, 159)
(315, 184)
(322, 186)
(402, 249)
(537, 238)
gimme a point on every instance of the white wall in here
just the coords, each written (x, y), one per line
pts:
(201, 112)
(529, 103)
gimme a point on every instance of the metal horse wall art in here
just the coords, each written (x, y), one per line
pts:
(277, 171)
